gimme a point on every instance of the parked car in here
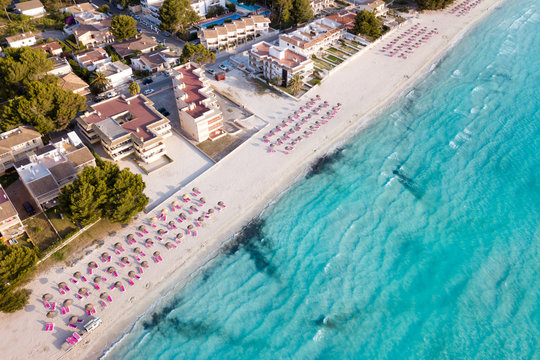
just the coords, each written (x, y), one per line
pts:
(166, 73)
(164, 111)
(148, 91)
(111, 94)
(137, 17)
(211, 71)
(147, 81)
(29, 208)
(224, 67)
(98, 99)
(139, 30)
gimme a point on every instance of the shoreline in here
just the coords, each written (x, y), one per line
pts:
(103, 340)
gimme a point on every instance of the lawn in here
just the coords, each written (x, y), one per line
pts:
(323, 64)
(219, 148)
(64, 227)
(338, 53)
(333, 59)
(40, 231)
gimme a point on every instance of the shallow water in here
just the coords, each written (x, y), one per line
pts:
(419, 239)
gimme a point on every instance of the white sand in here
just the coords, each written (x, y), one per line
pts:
(246, 180)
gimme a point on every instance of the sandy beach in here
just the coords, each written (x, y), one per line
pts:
(246, 181)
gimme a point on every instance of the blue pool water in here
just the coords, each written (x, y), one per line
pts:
(248, 7)
(419, 239)
(222, 20)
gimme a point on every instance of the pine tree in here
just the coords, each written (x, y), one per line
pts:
(176, 15)
(126, 197)
(301, 11)
(282, 13)
(123, 27)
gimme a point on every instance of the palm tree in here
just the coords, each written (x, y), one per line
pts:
(99, 81)
(296, 84)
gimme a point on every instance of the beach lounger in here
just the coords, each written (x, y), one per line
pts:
(63, 311)
(78, 296)
(73, 280)
(90, 271)
(115, 274)
(131, 282)
(46, 303)
(109, 298)
(62, 291)
(72, 325)
(121, 265)
(102, 303)
(140, 270)
(77, 336)
(83, 279)
(96, 286)
(123, 288)
(93, 310)
(140, 234)
(88, 312)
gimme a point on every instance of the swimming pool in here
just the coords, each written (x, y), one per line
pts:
(248, 7)
(221, 21)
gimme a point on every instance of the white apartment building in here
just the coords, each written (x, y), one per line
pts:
(198, 110)
(18, 144)
(236, 32)
(278, 63)
(313, 37)
(126, 126)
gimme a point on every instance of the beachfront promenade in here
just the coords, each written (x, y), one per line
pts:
(246, 180)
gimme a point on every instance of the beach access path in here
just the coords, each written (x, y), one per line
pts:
(246, 181)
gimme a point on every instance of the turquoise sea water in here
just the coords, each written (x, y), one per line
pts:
(419, 239)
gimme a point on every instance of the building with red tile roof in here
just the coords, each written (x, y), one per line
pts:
(199, 114)
(277, 62)
(126, 126)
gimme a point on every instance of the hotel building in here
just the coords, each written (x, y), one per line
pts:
(198, 110)
(236, 32)
(126, 126)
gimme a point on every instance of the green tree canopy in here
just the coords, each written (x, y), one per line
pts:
(301, 11)
(177, 15)
(104, 190)
(134, 88)
(282, 13)
(45, 105)
(99, 82)
(433, 4)
(197, 53)
(123, 27)
(16, 262)
(296, 84)
(366, 23)
(19, 67)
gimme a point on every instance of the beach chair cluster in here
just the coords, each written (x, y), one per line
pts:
(193, 216)
(404, 44)
(75, 338)
(300, 125)
(49, 327)
(464, 7)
